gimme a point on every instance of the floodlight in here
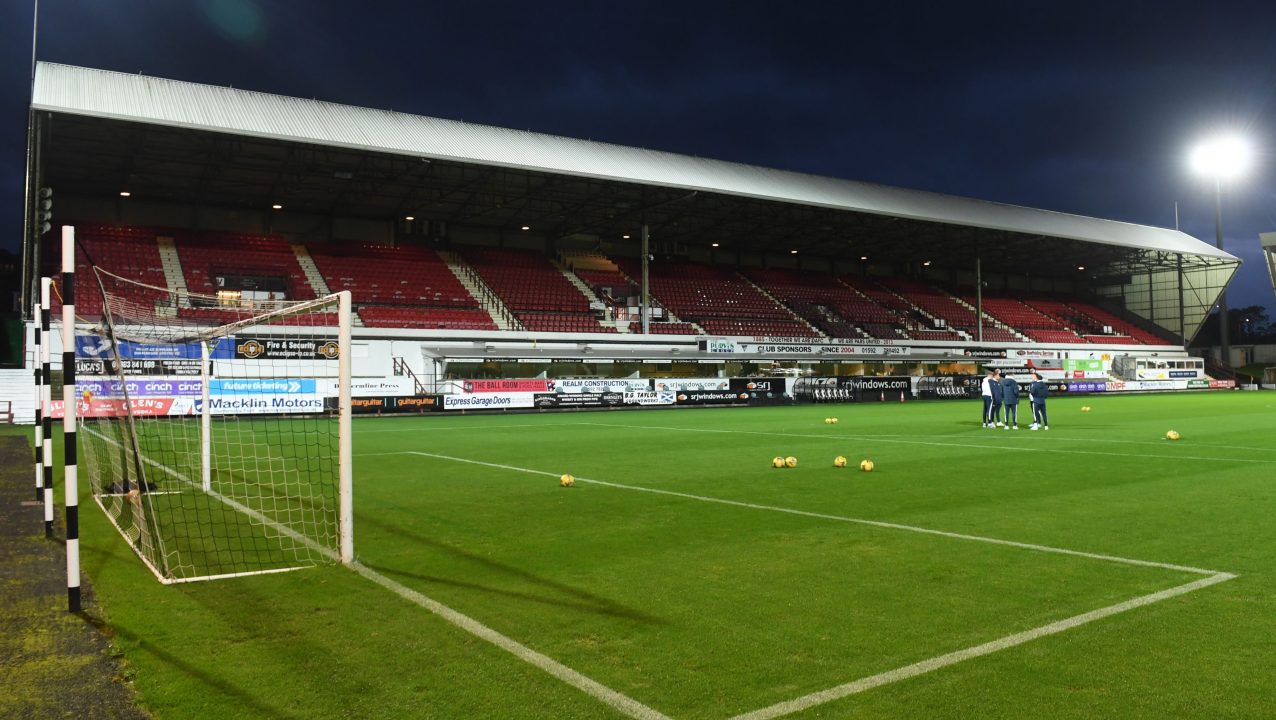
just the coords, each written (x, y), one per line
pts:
(1223, 158)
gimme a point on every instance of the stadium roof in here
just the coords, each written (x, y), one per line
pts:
(130, 98)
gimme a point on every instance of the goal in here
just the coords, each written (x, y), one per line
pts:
(215, 429)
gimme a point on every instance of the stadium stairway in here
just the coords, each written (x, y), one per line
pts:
(789, 310)
(315, 278)
(487, 299)
(172, 266)
(594, 300)
(1015, 335)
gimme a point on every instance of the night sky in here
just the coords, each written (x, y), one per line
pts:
(1079, 107)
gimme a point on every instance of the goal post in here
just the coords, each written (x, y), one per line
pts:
(216, 429)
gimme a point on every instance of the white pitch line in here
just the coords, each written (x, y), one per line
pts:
(836, 518)
(941, 661)
(593, 688)
(965, 445)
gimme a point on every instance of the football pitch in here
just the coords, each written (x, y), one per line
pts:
(1093, 570)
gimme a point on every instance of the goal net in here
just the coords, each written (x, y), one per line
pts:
(215, 430)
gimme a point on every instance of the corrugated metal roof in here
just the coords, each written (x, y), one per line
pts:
(138, 98)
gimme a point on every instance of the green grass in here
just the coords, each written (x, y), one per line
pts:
(707, 610)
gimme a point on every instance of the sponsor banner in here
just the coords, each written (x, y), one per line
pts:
(601, 385)
(285, 349)
(261, 386)
(1180, 374)
(761, 388)
(710, 397)
(697, 384)
(380, 387)
(508, 386)
(876, 384)
(660, 397)
(1222, 384)
(137, 388)
(804, 346)
(116, 408)
(392, 404)
(489, 401)
(1037, 354)
(1093, 369)
(876, 350)
(1201, 384)
(98, 347)
(1089, 387)
(265, 404)
(88, 368)
(983, 353)
(577, 400)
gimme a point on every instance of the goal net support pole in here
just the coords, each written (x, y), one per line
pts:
(72, 485)
(46, 416)
(345, 445)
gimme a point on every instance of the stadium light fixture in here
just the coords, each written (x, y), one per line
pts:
(863, 257)
(1222, 158)
(276, 206)
(624, 237)
(1081, 267)
(793, 252)
(527, 227)
(714, 244)
(409, 218)
(927, 263)
(125, 193)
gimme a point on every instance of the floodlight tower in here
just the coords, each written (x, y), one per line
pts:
(1221, 159)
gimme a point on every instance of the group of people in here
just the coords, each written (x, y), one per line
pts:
(1002, 393)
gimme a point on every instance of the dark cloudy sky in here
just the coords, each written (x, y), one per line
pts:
(1084, 107)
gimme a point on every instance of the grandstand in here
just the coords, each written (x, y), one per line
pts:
(484, 233)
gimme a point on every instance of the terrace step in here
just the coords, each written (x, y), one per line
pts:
(172, 266)
(500, 314)
(588, 293)
(315, 278)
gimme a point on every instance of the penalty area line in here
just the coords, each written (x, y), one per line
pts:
(838, 692)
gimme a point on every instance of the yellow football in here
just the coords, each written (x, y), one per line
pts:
(777, 462)
(839, 461)
(1085, 408)
(1172, 435)
(566, 480)
(866, 465)
(790, 461)
(833, 421)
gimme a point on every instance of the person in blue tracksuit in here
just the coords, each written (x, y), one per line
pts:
(1010, 400)
(1037, 392)
(994, 414)
(986, 394)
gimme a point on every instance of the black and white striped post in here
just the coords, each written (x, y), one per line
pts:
(39, 404)
(72, 486)
(46, 392)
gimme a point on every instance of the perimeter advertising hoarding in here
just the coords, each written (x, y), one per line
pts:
(601, 385)
(578, 400)
(710, 397)
(101, 367)
(536, 385)
(392, 404)
(800, 347)
(489, 401)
